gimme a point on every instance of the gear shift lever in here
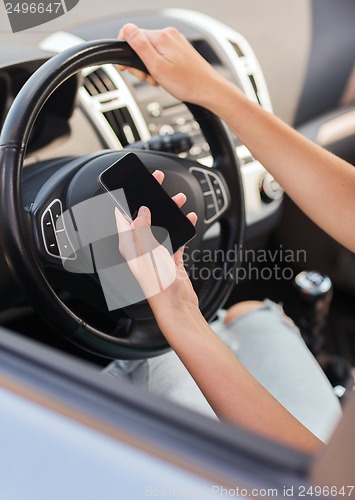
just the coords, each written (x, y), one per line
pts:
(316, 292)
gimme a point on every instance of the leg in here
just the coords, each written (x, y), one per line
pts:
(270, 347)
(241, 308)
(164, 376)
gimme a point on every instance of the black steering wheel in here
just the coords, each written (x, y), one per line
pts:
(32, 198)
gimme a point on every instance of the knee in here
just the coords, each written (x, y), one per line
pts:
(238, 310)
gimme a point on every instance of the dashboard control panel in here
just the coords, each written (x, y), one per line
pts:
(270, 189)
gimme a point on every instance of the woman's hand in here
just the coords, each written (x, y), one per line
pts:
(161, 276)
(172, 63)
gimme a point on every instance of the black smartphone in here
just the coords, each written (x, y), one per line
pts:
(129, 177)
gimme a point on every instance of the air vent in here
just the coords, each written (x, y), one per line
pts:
(110, 100)
(237, 49)
(255, 87)
(121, 122)
(98, 82)
(248, 64)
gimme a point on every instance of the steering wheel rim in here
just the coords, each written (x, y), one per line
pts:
(18, 248)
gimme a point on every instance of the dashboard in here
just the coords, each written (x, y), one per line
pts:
(103, 108)
(53, 121)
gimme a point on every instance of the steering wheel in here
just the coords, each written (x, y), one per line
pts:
(31, 199)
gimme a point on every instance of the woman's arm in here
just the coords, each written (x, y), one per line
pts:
(321, 184)
(233, 393)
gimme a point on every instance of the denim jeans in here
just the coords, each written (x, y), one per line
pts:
(269, 345)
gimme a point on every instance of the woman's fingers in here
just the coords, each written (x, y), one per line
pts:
(179, 199)
(143, 218)
(192, 216)
(149, 261)
(141, 75)
(178, 257)
(124, 33)
(139, 42)
(120, 67)
(139, 234)
(126, 243)
(159, 176)
(143, 236)
(172, 62)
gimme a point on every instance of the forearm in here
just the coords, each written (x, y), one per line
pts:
(321, 184)
(233, 393)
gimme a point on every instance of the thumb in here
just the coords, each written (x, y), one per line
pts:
(140, 43)
(143, 237)
(143, 218)
(127, 30)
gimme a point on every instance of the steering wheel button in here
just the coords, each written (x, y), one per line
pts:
(220, 202)
(214, 182)
(202, 179)
(210, 207)
(204, 185)
(50, 242)
(48, 234)
(56, 209)
(53, 249)
(65, 247)
(216, 186)
(47, 223)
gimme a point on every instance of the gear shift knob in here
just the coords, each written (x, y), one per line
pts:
(316, 292)
(313, 285)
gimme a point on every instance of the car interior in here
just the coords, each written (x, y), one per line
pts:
(67, 113)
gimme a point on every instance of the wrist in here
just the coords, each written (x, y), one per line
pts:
(218, 100)
(177, 317)
(218, 94)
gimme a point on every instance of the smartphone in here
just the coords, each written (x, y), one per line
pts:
(129, 176)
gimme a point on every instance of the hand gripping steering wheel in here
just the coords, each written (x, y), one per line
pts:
(73, 304)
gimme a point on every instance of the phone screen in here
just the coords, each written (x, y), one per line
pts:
(139, 187)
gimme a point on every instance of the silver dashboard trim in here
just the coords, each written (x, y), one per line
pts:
(224, 36)
(94, 106)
